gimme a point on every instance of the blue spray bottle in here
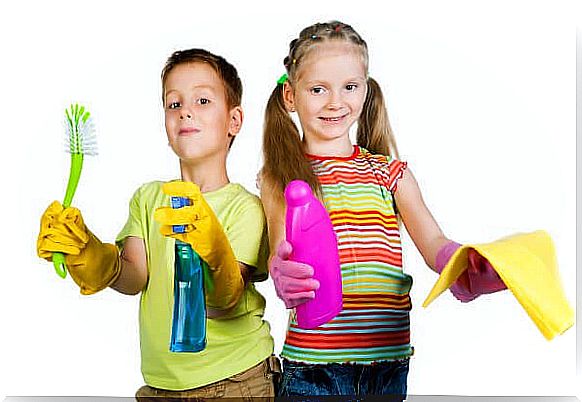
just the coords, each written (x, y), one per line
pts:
(189, 319)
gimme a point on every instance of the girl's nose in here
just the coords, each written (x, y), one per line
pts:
(334, 101)
(334, 105)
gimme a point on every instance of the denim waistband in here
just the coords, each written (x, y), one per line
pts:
(352, 364)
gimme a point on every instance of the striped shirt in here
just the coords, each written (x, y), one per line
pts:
(374, 323)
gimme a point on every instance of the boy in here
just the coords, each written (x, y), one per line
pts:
(224, 224)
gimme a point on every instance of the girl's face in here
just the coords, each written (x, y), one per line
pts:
(199, 123)
(329, 92)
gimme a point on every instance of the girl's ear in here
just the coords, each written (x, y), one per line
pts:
(288, 96)
(236, 120)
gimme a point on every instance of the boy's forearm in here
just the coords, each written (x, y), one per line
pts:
(134, 273)
(130, 281)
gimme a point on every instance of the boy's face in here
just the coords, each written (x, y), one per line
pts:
(199, 123)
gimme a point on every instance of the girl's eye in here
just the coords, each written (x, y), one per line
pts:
(317, 90)
(174, 105)
(204, 101)
(351, 87)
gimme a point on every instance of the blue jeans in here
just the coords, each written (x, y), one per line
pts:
(383, 378)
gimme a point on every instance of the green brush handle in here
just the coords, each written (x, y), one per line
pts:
(74, 174)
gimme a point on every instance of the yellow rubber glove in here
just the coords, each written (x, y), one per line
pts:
(93, 265)
(206, 236)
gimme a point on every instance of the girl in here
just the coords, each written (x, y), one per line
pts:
(366, 348)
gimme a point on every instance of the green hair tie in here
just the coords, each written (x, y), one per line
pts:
(282, 79)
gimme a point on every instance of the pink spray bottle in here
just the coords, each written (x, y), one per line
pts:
(310, 232)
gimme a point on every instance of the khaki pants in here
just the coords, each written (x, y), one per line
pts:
(255, 384)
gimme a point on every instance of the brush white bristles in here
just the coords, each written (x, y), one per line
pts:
(81, 138)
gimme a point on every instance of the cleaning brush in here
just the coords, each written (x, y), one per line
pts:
(80, 141)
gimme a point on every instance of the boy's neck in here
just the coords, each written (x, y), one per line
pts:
(208, 175)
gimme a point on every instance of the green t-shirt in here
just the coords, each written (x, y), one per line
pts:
(235, 342)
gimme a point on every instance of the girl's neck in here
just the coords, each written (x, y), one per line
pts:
(208, 175)
(341, 147)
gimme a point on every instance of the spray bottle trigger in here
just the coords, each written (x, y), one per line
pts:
(176, 203)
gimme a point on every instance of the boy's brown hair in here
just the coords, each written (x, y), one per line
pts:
(226, 71)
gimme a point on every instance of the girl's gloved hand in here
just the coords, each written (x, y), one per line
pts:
(479, 278)
(483, 278)
(293, 281)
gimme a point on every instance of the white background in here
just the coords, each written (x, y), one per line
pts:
(481, 97)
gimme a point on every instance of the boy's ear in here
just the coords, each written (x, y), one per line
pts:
(236, 120)
(288, 97)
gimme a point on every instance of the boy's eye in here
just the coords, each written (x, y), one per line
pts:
(174, 105)
(204, 101)
(351, 87)
(317, 90)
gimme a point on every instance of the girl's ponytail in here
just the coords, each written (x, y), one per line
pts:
(374, 131)
(284, 157)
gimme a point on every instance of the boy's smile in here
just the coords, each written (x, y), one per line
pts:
(188, 131)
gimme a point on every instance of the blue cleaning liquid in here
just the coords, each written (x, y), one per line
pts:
(189, 318)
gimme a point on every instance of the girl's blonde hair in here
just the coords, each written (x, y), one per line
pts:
(283, 152)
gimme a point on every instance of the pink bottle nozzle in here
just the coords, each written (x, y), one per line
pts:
(297, 193)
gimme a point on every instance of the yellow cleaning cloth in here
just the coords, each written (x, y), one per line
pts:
(527, 265)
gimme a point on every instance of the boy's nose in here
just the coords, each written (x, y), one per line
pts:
(185, 115)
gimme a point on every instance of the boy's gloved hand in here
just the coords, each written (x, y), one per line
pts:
(293, 281)
(206, 236)
(93, 265)
(478, 279)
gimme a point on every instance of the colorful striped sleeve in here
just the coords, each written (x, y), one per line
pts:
(395, 172)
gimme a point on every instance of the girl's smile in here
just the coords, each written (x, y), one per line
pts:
(333, 120)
